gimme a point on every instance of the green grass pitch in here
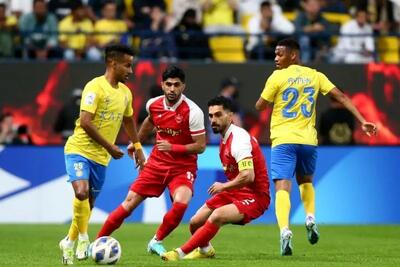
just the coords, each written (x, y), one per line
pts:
(251, 245)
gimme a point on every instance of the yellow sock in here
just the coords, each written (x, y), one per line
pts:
(80, 219)
(307, 194)
(282, 208)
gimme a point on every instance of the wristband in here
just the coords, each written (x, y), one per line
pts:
(137, 146)
(178, 148)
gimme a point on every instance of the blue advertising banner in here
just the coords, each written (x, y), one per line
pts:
(354, 185)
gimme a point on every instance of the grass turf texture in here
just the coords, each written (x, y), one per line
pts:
(252, 245)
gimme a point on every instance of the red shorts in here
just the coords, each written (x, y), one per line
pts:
(153, 180)
(250, 205)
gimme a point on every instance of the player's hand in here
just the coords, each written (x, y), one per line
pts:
(216, 188)
(163, 145)
(369, 128)
(131, 150)
(115, 152)
(140, 159)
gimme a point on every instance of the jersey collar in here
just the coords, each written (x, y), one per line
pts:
(228, 133)
(173, 108)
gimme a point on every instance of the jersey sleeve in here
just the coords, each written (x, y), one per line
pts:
(129, 109)
(271, 88)
(325, 84)
(196, 121)
(241, 146)
(90, 97)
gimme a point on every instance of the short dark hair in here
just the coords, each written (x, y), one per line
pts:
(290, 43)
(226, 103)
(265, 4)
(173, 72)
(117, 50)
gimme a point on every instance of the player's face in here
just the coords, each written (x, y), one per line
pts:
(123, 68)
(220, 119)
(173, 88)
(283, 57)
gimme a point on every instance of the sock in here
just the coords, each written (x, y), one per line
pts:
(80, 219)
(69, 243)
(202, 236)
(282, 208)
(205, 249)
(180, 252)
(171, 220)
(114, 221)
(193, 228)
(307, 195)
(84, 237)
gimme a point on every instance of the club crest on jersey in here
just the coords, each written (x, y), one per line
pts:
(178, 118)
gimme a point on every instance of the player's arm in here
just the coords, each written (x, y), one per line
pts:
(131, 131)
(368, 127)
(86, 123)
(262, 104)
(246, 175)
(146, 128)
(196, 147)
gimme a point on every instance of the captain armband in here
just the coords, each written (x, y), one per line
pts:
(245, 164)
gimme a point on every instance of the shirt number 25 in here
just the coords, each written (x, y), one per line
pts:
(291, 95)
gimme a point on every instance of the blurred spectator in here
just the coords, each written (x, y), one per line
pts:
(179, 7)
(230, 89)
(316, 40)
(95, 8)
(62, 8)
(39, 30)
(69, 113)
(7, 130)
(335, 6)
(336, 125)
(7, 29)
(219, 16)
(20, 7)
(190, 40)
(353, 48)
(142, 18)
(112, 29)
(157, 42)
(76, 35)
(271, 22)
(23, 136)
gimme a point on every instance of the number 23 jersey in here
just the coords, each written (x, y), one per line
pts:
(294, 92)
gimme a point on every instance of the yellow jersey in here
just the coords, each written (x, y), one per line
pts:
(294, 92)
(75, 34)
(109, 105)
(108, 31)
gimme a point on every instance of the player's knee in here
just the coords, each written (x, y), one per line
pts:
(82, 194)
(218, 217)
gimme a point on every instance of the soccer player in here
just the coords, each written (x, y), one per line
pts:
(179, 123)
(293, 89)
(106, 104)
(244, 197)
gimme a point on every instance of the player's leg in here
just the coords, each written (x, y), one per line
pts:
(305, 168)
(223, 215)
(78, 170)
(117, 216)
(197, 221)
(97, 177)
(283, 163)
(181, 196)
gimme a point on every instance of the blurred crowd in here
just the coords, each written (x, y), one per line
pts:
(328, 30)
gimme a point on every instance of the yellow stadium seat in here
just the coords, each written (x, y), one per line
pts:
(227, 48)
(388, 49)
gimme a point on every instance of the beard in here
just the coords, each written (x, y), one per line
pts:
(216, 129)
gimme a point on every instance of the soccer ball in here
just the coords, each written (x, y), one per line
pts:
(105, 250)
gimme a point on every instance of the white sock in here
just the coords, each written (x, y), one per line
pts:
(180, 252)
(84, 237)
(156, 240)
(284, 230)
(206, 249)
(69, 243)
